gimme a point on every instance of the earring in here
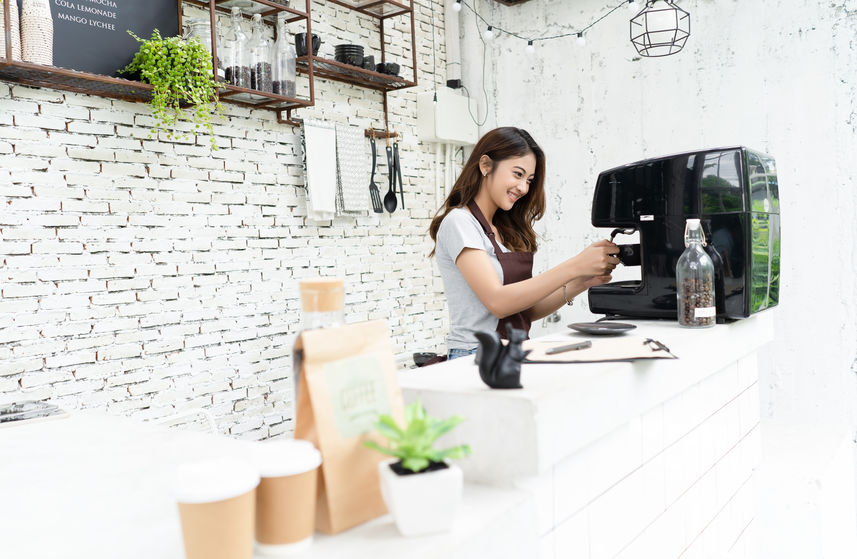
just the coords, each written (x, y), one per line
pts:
(484, 174)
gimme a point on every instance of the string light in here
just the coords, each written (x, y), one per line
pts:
(647, 42)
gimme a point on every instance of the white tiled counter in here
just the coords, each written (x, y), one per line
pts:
(645, 459)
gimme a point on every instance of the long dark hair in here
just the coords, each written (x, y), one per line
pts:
(516, 225)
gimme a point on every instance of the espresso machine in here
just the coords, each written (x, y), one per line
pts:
(733, 191)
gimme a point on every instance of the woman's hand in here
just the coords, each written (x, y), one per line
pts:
(598, 259)
(597, 280)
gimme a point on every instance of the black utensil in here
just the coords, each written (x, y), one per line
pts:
(397, 164)
(390, 197)
(374, 193)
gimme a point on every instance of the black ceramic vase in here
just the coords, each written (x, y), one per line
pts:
(499, 364)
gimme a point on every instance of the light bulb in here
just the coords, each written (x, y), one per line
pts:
(529, 49)
(581, 40)
(633, 6)
(457, 6)
(489, 33)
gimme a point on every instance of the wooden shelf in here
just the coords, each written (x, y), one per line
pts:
(259, 99)
(268, 8)
(338, 71)
(71, 80)
(377, 8)
(130, 90)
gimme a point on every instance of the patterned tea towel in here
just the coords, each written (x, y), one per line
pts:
(352, 193)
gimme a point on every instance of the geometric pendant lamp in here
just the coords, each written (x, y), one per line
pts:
(660, 29)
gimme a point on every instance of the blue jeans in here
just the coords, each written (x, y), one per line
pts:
(456, 353)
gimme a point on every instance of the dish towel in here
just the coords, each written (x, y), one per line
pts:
(319, 139)
(352, 194)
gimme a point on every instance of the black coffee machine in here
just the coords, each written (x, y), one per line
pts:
(734, 193)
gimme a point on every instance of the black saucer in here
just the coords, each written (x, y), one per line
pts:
(602, 328)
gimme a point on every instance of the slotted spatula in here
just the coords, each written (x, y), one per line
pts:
(374, 193)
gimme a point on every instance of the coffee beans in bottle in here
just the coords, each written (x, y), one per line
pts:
(695, 280)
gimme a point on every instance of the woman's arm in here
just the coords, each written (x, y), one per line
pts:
(556, 299)
(504, 300)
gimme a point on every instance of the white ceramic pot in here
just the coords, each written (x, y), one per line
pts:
(422, 503)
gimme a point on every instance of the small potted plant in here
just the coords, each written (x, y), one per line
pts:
(421, 490)
(180, 71)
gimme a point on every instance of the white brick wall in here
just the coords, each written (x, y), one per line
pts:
(143, 276)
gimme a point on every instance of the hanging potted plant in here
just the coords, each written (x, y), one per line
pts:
(420, 489)
(180, 71)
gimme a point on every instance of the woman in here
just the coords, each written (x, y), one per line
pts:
(484, 243)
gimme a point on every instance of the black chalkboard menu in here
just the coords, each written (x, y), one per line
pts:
(92, 35)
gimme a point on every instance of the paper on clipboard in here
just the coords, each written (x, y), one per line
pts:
(624, 348)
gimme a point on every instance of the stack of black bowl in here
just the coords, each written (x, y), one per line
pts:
(349, 54)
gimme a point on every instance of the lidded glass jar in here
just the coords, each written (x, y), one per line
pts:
(236, 54)
(200, 28)
(695, 280)
(260, 57)
(284, 70)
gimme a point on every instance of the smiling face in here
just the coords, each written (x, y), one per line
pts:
(507, 181)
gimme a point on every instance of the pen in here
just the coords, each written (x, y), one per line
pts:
(569, 347)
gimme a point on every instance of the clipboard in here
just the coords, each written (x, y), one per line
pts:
(625, 348)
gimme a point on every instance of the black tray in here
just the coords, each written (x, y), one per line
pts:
(602, 328)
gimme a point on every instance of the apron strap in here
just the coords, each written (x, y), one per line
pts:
(480, 217)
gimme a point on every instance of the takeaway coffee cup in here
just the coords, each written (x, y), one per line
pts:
(285, 500)
(216, 501)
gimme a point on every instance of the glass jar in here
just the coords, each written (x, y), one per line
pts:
(695, 280)
(260, 57)
(322, 306)
(236, 56)
(284, 69)
(200, 28)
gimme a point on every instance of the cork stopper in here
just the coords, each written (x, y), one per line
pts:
(322, 294)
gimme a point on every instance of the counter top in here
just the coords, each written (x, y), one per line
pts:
(564, 407)
(91, 486)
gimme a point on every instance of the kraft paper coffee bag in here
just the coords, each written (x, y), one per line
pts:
(347, 378)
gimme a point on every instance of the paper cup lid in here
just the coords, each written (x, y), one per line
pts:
(285, 457)
(208, 481)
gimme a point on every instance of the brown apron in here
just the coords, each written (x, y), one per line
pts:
(516, 266)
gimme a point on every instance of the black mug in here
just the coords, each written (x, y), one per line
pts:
(300, 44)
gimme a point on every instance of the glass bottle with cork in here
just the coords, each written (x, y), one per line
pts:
(322, 306)
(236, 56)
(695, 280)
(260, 57)
(284, 71)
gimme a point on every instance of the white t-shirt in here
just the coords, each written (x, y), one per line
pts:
(467, 315)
